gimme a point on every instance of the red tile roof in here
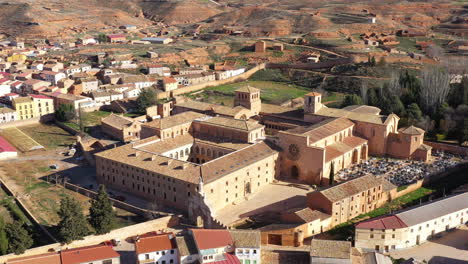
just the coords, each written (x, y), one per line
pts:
(169, 80)
(88, 254)
(11, 94)
(211, 238)
(154, 243)
(386, 222)
(230, 259)
(314, 94)
(48, 258)
(39, 96)
(5, 146)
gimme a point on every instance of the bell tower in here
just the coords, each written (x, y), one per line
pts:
(249, 98)
(312, 102)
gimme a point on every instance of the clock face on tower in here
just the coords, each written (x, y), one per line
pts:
(294, 152)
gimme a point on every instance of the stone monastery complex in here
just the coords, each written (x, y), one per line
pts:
(206, 157)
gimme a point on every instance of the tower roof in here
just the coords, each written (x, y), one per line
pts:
(314, 94)
(248, 89)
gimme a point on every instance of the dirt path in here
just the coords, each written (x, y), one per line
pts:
(314, 48)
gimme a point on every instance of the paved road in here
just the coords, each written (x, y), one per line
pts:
(450, 248)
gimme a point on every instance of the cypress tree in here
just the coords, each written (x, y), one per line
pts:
(332, 173)
(18, 237)
(372, 98)
(101, 213)
(3, 238)
(73, 224)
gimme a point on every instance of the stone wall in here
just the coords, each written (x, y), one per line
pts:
(310, 66)
(122, 233)
(188, 89)
(27, 122)
(454, 149)
(283, 256)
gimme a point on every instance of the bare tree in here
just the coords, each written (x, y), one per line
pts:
(394, 86)
(434, 51)
(435, 82)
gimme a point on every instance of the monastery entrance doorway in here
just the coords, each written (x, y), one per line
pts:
(247, 188)
(294, 172)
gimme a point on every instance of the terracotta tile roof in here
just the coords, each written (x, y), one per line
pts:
(167, 144)
(323, 129)
(228, 259)
(314, 94)
(174, 120)
(219, 121)
(308, 215)
(234, 161)
(248, 89)
(39, 96)
(217, 109)
(330, 249)
(366, 109)
(20, 100)
(117, 121)
(363, 117)
(351, 187)
(48, 258)
(186, 245)
(169, 80)
(211, 238)
(154, 243)
(411, 130)
(384, 222)
(116, 36)
(246, 238)
(275, 109)
(88, 254)
(339, 148)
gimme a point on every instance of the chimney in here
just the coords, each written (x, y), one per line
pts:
(153, 157)
(169, 162)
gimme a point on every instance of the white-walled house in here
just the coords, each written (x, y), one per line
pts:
(53, 77)
(8, 115)
(187, 249)
(157, 248)
(413, 226)
(132, 92)
(247, 245)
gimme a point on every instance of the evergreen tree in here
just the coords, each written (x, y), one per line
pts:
(146, 99)
(413, 113)
(373, 61)
(351, 99)
(102, 38)
(372, 98)
(3, 238)
(65, 113)
(101, 213)
(18, 237)
(72, 225)
(411, 86)
(332, 173)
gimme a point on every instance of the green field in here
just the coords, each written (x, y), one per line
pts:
(271, 92)
(49, 135)
(20, 140)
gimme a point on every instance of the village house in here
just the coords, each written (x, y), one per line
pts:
(90, 84)
(105, 98)
(33, 85)
(247, 245)
(72, 69)
(140, 81)
(413, 226)
(157, 40)
(228, 73)
(157, 248)
(33, 106)
(7, 115)
(214, 246)
(191, 70)
(330, 251)
(188, 252)
(53, 77)
(121, 128)
(132, 92)
(104, 254)
(116, 38)
(76, 101)
(53, 66)
(159, 70)
(38, 66)
(169, 84)
(194, 79)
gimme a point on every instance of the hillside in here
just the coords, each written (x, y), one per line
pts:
(53, 18)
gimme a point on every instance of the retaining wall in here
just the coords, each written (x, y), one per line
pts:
(122, 233)
(188, 89)
(454, 149)
(27, 122)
